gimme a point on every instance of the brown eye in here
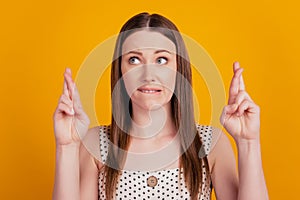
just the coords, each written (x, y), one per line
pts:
(162, 60)
(134, 60)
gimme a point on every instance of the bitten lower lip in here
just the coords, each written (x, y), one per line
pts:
(149, 90)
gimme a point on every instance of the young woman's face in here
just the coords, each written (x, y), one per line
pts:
(149, 69)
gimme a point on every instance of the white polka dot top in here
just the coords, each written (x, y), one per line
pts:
(163, 184)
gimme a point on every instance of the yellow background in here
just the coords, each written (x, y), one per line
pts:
(40, 38)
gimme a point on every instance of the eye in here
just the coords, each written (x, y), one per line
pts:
(162, 60)
(134, 60)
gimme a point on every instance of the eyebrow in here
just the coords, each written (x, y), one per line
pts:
(156, 52)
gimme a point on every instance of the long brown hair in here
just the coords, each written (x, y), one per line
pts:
(183, 118)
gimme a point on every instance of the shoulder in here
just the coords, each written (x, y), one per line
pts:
(91, 143)
(89, 164)
(213, 140)
(222, 165)
(103, 133)
(219, 148)
(209, 136)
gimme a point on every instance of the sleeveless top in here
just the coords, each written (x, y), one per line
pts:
(169, 183)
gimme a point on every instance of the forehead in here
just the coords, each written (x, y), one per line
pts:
(147, 40)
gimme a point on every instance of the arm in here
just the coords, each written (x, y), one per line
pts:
(66, 185)
(223, 167)
(252, 183)
(90, 164)
(241, 119)
(70, 125)
(249, 182)
(77, 166)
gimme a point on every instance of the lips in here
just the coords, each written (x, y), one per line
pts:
(147, 90)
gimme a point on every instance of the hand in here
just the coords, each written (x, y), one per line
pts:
(70, 121)
(241, 117)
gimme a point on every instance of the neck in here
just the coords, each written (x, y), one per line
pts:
(152, 124)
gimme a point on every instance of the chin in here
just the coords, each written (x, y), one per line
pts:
(150, 105)
(150, 102)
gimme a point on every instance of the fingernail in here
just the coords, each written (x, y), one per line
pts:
(68, 70)
(72, 111)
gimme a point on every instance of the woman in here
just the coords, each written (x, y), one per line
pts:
(153, 110)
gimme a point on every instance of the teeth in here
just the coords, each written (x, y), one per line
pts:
(149, 91)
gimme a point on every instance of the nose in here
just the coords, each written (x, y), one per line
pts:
(148, 75)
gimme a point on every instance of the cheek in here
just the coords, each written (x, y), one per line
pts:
(131, 80)
(126, 78)
(129, 84)
(168, 78)
(172, 75)
(123, 66)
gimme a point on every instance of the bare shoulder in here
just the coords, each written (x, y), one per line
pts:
(210, 136)
(220, 146)
(90, 146)
(89, 164)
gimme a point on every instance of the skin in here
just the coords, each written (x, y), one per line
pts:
(149, 65)
(76, 174)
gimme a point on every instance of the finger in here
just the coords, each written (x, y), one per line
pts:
(65, 90)
(63, 108)
(234, 85)
(76, 101)
(247, 107)
(228, 111)
(66, 100)
(242, 84)
(69, 81)
(242, 95)
(236, 66)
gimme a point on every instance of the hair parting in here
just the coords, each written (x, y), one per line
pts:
(190, 140)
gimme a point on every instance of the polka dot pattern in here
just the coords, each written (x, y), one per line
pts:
(170, 182)
(104, 141)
